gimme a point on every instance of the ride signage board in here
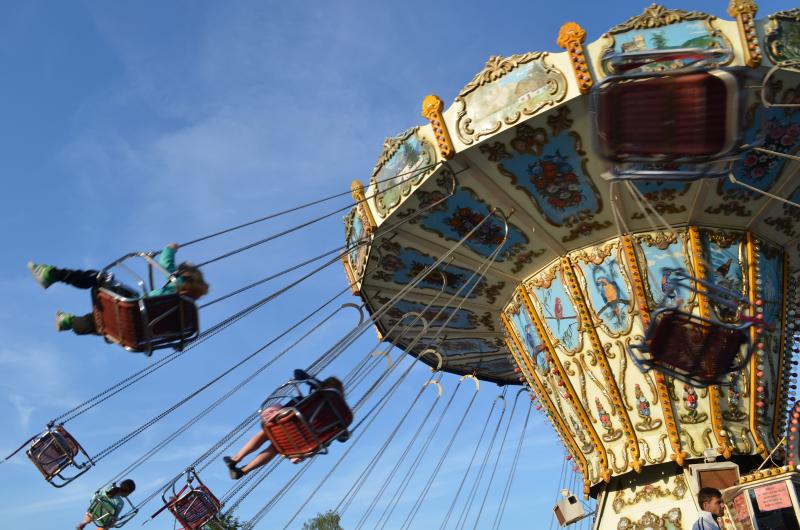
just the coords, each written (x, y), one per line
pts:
(773, 497)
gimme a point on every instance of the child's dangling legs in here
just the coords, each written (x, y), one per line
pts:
(47, 275)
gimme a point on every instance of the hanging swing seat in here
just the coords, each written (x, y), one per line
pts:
(193, 506)
(310, 423)
(58, 456)
(669, 118)
(693, 349)
(144, 324)
(106, 514)
(133, 319)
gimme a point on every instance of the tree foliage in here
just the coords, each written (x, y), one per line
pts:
(324, 521)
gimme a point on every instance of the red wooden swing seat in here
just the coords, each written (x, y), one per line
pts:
(55, 451)
(145, 324)
(194, 506)
(695, 350)
(308, 426)
(686, 117)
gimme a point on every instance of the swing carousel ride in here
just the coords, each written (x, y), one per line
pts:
(630, 206)
(611, 227)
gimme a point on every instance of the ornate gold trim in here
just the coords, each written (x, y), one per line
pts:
(351, 279)
(637, 288)
(357, 191)
(651, 521)
(571, 37)
(605, 472)
(497, 67)
(432, 110)
(780, 399)
(744, 11)
(715, 410)
(611, 385)
(514, 346)
(752, 294)
(656, 16)
(649, 492)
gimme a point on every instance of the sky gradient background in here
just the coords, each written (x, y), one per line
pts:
(129, 125)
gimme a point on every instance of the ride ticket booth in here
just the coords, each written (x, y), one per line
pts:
(765, 500)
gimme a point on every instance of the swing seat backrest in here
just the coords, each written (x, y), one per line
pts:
(53, 451)
(147, 323)
(103, 511)
(687, 116)
(692, 347)
(195, 507)
(309, 425)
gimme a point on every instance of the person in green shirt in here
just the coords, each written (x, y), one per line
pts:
(106, 506)
(185, 279)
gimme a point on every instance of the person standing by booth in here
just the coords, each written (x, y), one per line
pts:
(711, 508)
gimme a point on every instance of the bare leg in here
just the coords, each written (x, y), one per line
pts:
(86, 520)
(254, 443)
(263, 458)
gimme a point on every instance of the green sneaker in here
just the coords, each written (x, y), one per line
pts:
(41, 273)
(63, 321)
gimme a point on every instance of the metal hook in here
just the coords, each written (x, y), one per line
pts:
(437, 355)
(474, 380)
(439, 388)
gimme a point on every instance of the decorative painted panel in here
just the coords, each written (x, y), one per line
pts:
(400, 265)
(774, 129)
(725, 260)
(551, 169)
(436, 316)
(659, 28)
(405, 161)
(782, 40)
(456, 217)
(556, 308)
(507, 90)
(607, 288)
(659, 254)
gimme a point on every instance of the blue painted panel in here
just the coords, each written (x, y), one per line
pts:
(608, 292)
(454, 219)
(436, 316)
(552, 177)
(559, 314)
(526, 331)
(658, 262)
(770, 266)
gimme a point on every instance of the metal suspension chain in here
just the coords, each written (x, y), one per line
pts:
(507, 490)
(499, 453)
(411, 174)
(469, 466)
(399, 462)
(476, 483)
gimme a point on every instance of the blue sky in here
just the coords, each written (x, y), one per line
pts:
(129, 125)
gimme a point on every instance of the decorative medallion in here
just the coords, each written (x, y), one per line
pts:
(552, 171)
(650, 521)
(507, 90)
(646, 423)
(691, 415)
(405, 161)
(659, 28)
(611, 433)
(649, 493)
(782, 40)
(734, 398)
